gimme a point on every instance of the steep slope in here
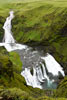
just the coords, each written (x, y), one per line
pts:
(41, 23)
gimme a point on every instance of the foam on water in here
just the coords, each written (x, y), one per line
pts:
(31, 80)
(52, 65)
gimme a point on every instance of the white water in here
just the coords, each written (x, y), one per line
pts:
(52, 65)
(40, 75)
(44, 72)
(31, 80)
(8, 40)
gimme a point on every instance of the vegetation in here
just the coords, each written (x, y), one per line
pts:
(10, 76)
(15, 58)
(36, 23)
(43, 22)
(62, 89)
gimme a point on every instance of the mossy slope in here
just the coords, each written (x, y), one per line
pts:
(44, 25)
(36, 23)
(39, 23)
(62, 89)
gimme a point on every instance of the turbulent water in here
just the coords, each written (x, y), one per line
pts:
(39, 70)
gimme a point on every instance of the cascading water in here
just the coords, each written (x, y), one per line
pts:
(8, 40)
(38, 71)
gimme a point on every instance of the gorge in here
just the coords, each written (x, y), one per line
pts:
(39, 70)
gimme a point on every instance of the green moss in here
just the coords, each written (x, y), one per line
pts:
(15, 58)
(43, 22)
(14, 94)
(62, 89)
(6, 66)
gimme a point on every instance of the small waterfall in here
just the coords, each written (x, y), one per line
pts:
(41, 78)
(45, 70)
(39, 74)
(8, 40)
(52, 65)
(31, 80)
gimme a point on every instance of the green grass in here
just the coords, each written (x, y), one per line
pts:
(40, 22)
(15, 58)
(24, 5)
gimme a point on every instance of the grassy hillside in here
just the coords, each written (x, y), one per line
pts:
(36, 23)
(43, 23)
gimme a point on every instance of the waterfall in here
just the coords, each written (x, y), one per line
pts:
(52, 65)
(45, 68)
(8, 40)
(40, 75)
(31, 80)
